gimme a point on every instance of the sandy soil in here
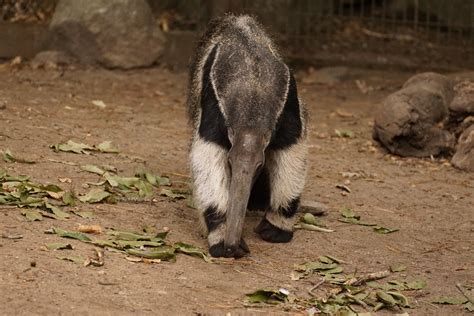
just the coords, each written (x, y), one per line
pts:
(429, 201)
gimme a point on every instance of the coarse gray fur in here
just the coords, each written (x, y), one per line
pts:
(251, 84)
(240, 86)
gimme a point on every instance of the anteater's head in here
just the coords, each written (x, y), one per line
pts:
(246, 159)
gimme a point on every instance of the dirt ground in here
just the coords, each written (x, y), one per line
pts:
(430, 202)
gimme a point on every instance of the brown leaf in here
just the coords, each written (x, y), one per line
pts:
(92, 229)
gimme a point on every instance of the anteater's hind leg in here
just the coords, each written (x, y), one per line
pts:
(287, 171)
(211, 193)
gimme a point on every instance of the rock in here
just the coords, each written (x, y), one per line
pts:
(113, 33)
(313, 207)
(464, 156)
(51, 59)
(463, 102)
(409, 121)
(3, 105)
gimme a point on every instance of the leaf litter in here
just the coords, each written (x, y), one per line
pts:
(309, 222)
(343, 292)
(80, 148)
(9, 157)
(147, 246)
(350, 217)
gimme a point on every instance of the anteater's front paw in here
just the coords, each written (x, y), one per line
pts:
(218, 250)
(271, 233)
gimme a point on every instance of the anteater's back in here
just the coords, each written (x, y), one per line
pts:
(252, 80)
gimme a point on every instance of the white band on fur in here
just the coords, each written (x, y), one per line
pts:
(287, 171)
(211, 182)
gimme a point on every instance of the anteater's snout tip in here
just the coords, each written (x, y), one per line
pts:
(236, 251)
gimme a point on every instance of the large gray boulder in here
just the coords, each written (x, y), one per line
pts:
(410, 121)
(113, 33)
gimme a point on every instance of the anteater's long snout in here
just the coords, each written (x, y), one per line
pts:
(246, 158)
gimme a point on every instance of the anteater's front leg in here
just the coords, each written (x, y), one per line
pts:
(211, 193)
(287, 171)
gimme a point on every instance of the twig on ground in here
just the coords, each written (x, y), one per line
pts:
(177, 174)
(313, 228)
(368, 277)
(314, 287)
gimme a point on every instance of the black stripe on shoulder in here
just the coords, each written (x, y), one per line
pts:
(212, 126)
(289, 126)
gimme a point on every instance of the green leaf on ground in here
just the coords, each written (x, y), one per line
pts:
(329, 259)
(172, 195)
(309, 218)
(386, 298)
(9, 157)
(125, 235)
(138, 243)
(468, 306)
(153, 179)
(21, 178)
(268, 296)
(60, 214)
(416, 284)
(69, 234)
(166, 253)
(71, 146)
(450, 300)
(32, 215)
(192, 251)
(107, 147)
(76, 259)
(121, 182)
(145, 189)
(384, 230)
(401, 299)
(344, 133)
(58, 246)
(69, 198)
(92, 169)
(164, 181)
(347, 212)
(356, 222)
(327, 266)
(95, 195)
(349, 217)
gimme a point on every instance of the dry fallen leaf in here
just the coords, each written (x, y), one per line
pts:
(99, 104)
(65, 180)
(92, 229)
(144, 260)
(343, 113)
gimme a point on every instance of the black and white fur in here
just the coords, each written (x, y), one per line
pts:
(238, 80)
